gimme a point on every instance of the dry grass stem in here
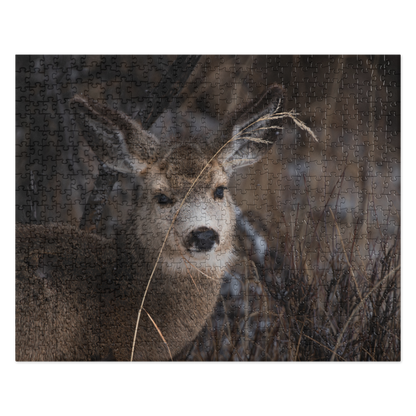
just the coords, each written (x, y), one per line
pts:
(200, 271)
(323, 346)
(254, 139)
(160, 333)
(303, 126)
(345, 254)
(292, 115)
(369, 354)
(300, 337)
(190, 275)
(289, 114)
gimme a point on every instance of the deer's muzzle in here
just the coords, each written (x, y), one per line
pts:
(202, 239)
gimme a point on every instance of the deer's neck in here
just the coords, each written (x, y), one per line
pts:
(178, 302)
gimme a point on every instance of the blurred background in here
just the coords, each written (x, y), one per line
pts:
(352, 104)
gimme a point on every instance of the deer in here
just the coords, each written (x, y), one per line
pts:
(78, 293)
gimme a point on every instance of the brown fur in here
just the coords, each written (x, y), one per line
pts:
(78, 294)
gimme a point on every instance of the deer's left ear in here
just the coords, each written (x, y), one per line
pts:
(252, 131)
(118, 141)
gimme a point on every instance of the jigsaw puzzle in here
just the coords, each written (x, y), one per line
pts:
(226, 208)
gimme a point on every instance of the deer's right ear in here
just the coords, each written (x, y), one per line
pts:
(118, 141)
(253, 131)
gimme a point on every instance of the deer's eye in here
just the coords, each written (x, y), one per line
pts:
(219, 192)
(163, 199)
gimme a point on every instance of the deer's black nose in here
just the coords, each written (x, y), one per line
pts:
(202, 239)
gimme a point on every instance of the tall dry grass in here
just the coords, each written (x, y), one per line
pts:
(315, 299)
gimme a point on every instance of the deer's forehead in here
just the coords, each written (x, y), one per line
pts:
(185, 160)
(163, 176)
